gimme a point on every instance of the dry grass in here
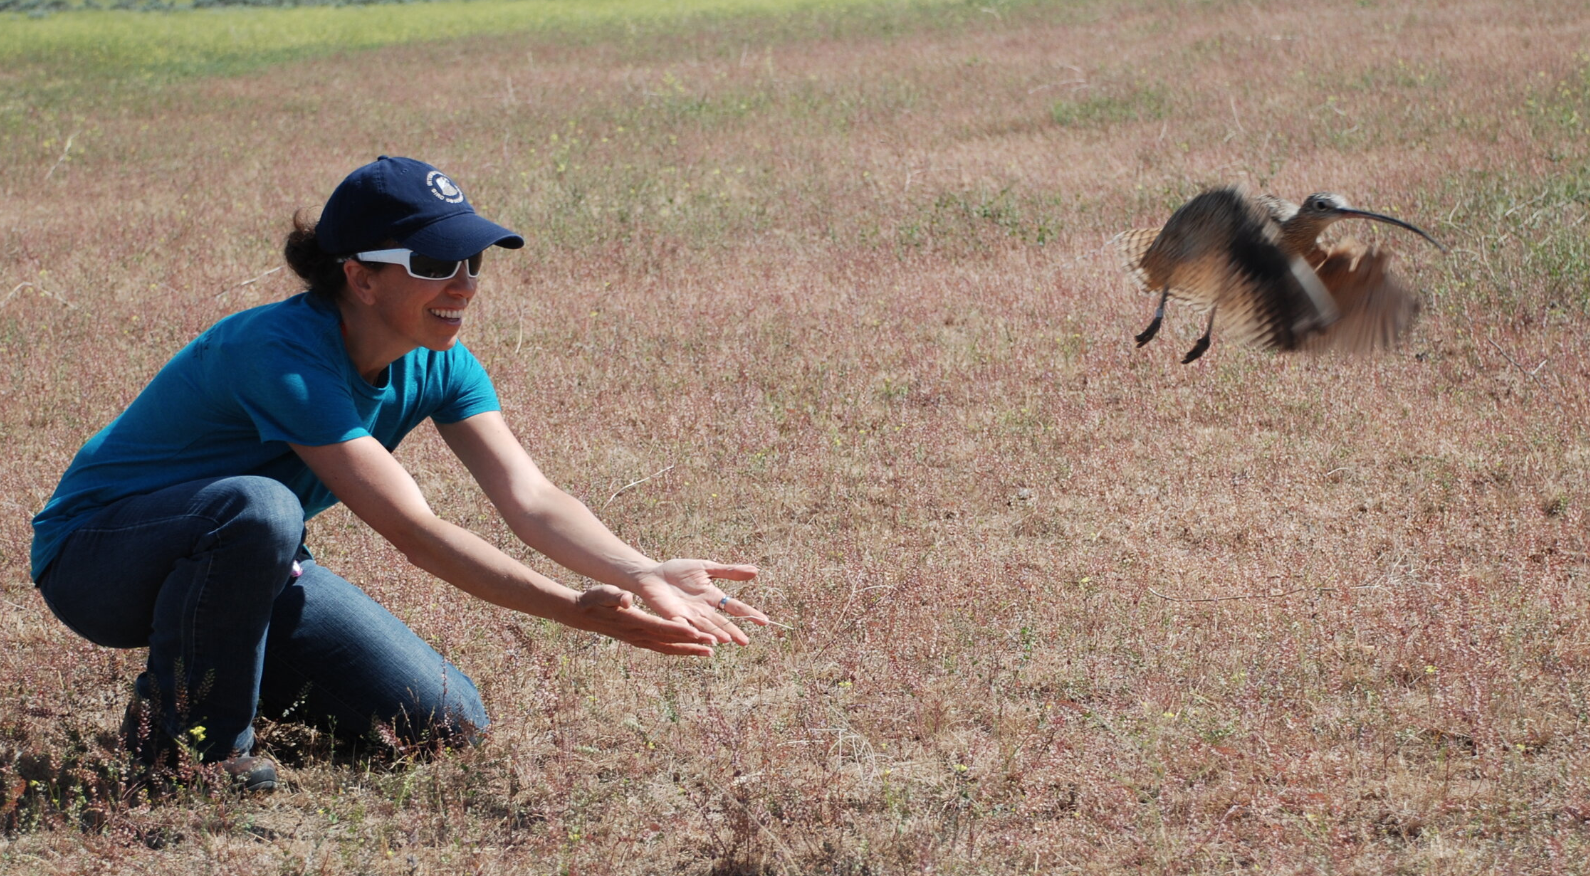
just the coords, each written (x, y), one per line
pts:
(1058, 604)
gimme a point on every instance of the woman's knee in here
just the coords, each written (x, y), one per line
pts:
(253, 508)
(344, 657)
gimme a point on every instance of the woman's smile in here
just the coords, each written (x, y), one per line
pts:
(451, 317)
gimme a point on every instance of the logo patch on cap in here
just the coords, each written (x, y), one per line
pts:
(443, 188)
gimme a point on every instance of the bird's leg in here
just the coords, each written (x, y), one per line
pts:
(1203, 342)
(1148, 334)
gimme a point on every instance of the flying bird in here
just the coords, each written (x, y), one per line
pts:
(1257, 265)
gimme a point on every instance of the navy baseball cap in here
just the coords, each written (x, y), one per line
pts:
(412, 203)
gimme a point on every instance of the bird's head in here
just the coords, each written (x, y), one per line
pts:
(1325, 204)
(1321, 209)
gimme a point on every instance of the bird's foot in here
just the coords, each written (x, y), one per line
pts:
(1148, 334)
(1197, 350)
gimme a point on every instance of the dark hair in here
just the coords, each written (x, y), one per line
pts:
(320, 269)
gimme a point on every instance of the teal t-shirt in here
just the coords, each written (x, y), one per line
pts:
(230, 402)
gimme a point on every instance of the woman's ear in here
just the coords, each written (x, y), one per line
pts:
(360, 277)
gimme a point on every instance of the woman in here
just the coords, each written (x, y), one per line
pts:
(180, 526)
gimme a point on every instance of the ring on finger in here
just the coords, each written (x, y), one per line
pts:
(723, 603)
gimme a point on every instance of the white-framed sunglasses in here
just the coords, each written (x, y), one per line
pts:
(421, 267)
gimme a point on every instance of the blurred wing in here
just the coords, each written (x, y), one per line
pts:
(1280, 209)
(1130, 246)
(1376, 307)
(1322, 310)
(1275, 309)
(1198, 290)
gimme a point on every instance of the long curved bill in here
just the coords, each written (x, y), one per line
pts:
(1381, 217)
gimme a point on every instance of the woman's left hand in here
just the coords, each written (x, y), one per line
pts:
(686, 590)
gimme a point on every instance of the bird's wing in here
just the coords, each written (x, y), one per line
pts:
(1324, 307)
(1280, 209)
(1130, 246)
(1275, 310)
(1376, 306)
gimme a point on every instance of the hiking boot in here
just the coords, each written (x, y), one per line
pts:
(152, 747)
(251, 773)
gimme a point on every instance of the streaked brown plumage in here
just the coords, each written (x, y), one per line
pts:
(1257, 265)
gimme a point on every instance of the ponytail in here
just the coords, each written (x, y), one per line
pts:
(318, 268)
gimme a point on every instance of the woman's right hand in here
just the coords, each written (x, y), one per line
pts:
(610, 611)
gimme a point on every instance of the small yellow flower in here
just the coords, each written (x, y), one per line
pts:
(197, 731)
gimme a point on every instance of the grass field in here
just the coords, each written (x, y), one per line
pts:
(837, 273)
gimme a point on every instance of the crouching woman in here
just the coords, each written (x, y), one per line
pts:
(180, 526)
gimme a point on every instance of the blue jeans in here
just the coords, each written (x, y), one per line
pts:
(207, 575)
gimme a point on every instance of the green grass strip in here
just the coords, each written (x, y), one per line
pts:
(88, 44)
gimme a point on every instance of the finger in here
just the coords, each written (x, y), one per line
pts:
(606, 596)
(724, 629)
(708, 621)
(735, 634)
(730, 573)
(740, 610)
(712, 624)
(676, 649)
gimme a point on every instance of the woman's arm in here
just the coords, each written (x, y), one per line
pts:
(561, 527)
(365, 477)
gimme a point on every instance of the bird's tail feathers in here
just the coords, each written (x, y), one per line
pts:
(1131, 246)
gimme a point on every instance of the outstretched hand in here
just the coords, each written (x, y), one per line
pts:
(685, 591)
(610, 611)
